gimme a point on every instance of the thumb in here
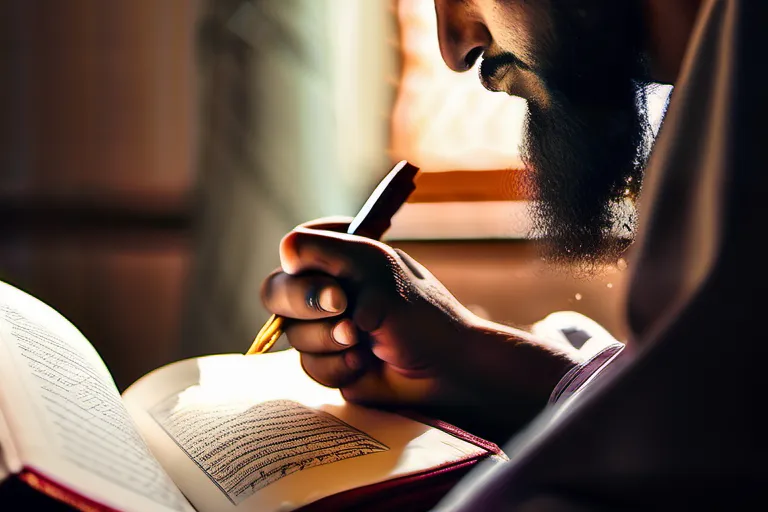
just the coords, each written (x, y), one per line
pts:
(336, 254)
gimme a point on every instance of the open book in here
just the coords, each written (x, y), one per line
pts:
(218, 433)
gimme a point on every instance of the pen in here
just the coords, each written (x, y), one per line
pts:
(372, 221)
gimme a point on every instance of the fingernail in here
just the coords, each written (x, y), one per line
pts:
(342, 333)
(329, 299)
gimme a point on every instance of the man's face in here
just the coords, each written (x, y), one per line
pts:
(580, 66)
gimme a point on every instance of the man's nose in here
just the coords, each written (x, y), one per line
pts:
(462, 33)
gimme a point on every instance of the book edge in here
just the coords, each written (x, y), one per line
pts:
(353, 496)
(460, 466)
(456, 432)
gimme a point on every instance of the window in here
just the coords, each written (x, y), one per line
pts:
(445, 120)
(464, 138)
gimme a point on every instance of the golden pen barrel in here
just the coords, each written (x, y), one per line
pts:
(267, 336)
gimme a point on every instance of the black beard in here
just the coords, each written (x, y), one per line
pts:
(586, 148)
(586, 167)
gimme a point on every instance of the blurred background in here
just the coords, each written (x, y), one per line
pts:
(153, 153)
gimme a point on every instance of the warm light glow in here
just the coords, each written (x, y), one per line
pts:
(238, 382)
(445, 120)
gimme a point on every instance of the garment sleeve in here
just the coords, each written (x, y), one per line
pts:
(596, 345)
(582, 373)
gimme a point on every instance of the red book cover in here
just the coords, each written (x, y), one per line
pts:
(31, 490)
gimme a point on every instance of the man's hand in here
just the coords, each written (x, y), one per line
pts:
(370, 320)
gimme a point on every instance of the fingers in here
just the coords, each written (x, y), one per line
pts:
(338, 223)
(334, 370)
(305, 297)
(329, 353)
(371, 310)
(335, 254)
(322, 337)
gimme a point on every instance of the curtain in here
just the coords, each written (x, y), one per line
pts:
(295, 97)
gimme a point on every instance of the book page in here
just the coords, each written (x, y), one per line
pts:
(255, 433)
(258, 445)
(65, 416)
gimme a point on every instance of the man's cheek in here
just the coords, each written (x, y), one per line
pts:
(523, 28)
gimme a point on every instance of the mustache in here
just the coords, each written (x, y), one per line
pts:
(491, 65)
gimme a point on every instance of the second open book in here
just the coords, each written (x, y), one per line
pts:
(227, 432)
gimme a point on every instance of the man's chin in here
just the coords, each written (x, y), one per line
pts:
(585, 166)
(580, 260)
(584, 247)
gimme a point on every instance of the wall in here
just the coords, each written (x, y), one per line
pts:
(96, 167)
(508, 280)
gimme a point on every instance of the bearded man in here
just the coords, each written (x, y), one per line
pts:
(670, 420)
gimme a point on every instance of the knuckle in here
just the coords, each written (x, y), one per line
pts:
(268, 286)
(293, 334)
(300, 336)
(311, 337)
(378, 255)
(288, 251)
(302, 250)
